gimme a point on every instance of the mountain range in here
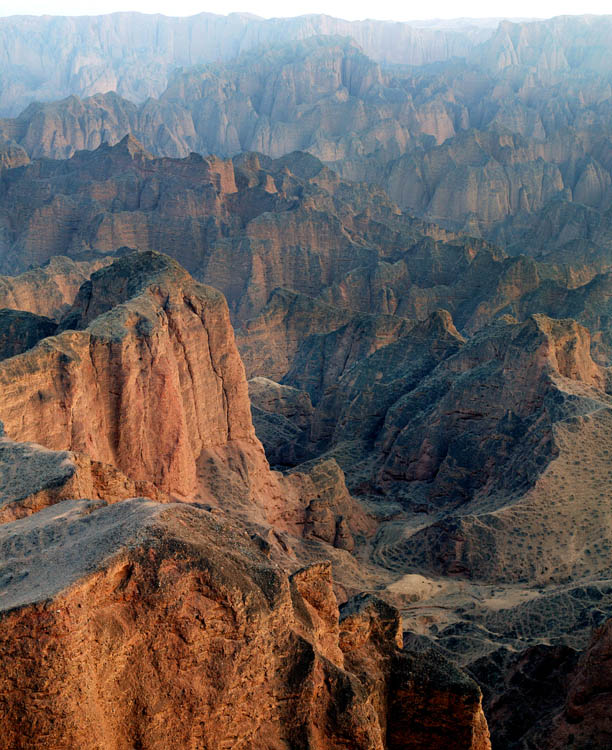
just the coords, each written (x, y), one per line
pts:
(305, 362)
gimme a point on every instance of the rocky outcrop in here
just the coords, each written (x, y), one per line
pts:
(307, 232)
(356, 403)
(516, 422)
(585, 719)
(332, 514)
(20, 330)
(145, 376)
(523, 691)
(269, 341)
(469, 149)
(243, 654)
(34, 477)
(451, 713)
(521, 375)
(282, 419)
(551, 697)
(288, 402)
(475, 438)
(489, 144)
(305, 255)
(327, 79)
(47, 290)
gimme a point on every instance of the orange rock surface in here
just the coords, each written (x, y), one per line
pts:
(148, 625)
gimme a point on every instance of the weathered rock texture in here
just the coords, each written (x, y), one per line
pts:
(242, 654)
(306, 251)
(20, 330)
(550, 697)
(47, 290)
(479, 448)
(145, 376)
(457, 391)
(282, 418)
(33, 477)
(523, 691)
(585, 719)
(477, 429)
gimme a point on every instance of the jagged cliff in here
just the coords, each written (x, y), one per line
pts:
(132, 339)
(492, 143)
(438, 399)
(242, 653)
(140, 391)
(142, 376)
(134, 54)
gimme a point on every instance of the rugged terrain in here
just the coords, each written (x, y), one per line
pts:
(134, 54)
(244, 652)
(507, 138)
(409, 229)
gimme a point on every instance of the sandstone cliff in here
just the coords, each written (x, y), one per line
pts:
(20, 330)
(243, 654)
(34, 477)
(283, 227)
(145, 376)
(47, 290)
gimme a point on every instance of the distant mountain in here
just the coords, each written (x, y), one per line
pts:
(46, 57)
(510, 143)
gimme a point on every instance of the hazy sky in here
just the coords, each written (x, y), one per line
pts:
(351, 9)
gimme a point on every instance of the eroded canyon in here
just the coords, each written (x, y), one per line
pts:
(305, 387)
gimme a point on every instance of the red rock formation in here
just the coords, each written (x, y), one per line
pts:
(144, 376)
(146, 625)
(585, 721)
(147, 386)
(48, 290)
(33, 477)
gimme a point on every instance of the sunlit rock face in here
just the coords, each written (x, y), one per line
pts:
(409, 228)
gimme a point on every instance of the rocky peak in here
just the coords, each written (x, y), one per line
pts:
(126, 278)
(565, 347)
(154, 356)
(439, 325)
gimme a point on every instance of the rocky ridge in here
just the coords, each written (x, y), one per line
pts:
(243, 652)
(135, 54)
(443, 427)
(504, 138)
(98, 584)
